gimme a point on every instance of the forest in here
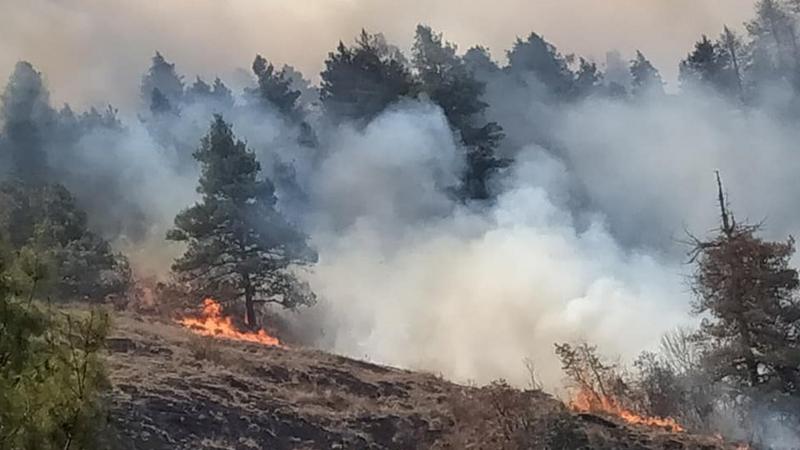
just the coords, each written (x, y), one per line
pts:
(574, 213)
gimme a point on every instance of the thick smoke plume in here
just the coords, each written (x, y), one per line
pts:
(581, 239)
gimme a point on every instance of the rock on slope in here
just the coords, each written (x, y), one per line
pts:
(173, 390)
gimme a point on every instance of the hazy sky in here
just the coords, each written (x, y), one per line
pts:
(95, 50)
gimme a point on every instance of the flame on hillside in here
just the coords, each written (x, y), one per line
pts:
(212, 323)
(591, 402)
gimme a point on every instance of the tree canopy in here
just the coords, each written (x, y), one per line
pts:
(236, 238)
(359, 82)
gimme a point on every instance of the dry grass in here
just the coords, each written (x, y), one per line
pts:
(175, 390)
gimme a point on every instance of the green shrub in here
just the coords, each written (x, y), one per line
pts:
(51, 374)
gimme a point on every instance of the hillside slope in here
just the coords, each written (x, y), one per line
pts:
(173, 390)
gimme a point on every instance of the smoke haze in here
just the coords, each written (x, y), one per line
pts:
(581, 238)
(92, 51)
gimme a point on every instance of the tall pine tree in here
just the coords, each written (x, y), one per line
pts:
(447, 81)
(646, 80)
(237, 240)
(27, 120)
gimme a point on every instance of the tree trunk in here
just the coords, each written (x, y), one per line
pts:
(730, 42)
(249, 304)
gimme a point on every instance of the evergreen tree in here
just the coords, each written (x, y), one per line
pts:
(46, 219)
(715, 65)
(444, 77)
(216, 95)
(274, 89)
(536, 56)
(746, 287)
(479, 62)
(588, 79)
(709, 65)
(27, 119)
(221, 94)
(199, 90)
(359, 82)
(236, 238)
(162, 87)
(645, 77)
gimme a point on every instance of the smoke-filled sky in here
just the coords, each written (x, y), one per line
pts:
(93, 50)
(581, 242)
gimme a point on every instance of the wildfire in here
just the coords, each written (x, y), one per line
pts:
(212, 323)
(590, 402)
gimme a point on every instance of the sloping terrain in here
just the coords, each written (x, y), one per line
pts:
(174, 390)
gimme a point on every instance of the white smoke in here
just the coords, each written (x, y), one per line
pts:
(417, 280)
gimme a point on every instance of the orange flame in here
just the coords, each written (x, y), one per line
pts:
(212, 323)
(590, 402)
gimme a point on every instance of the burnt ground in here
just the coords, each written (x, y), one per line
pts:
(172, 390)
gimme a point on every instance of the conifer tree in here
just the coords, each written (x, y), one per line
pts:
(645, 77)
(27, 119)
(162, 87)
(274, 89)
(538, 57)
(359, 82)
(444, 77)
(748, 291)
(237, 240)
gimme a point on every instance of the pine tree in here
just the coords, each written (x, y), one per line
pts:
(27, 119)
(45, 219)
(236, 238)
(444, 77)
(479, 62)
(646, 78)
(215, 95)
(274, 89)
(359, 82)
(162, 87)
(536, 56)
(714, 65)
(199, 90)
(588, 79)
(747, 289)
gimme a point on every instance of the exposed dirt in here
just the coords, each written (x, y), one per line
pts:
(175, 391)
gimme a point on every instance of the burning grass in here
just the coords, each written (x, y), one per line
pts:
(213, 323)
(587, 401)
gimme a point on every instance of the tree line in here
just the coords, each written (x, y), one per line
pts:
(241, 246)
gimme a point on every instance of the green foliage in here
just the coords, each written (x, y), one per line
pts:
(713, 64)
(274, 89)
(359, 82)
(51, 374)
(236, 238)
(26, 118)
(447, 81)
(43, 224)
